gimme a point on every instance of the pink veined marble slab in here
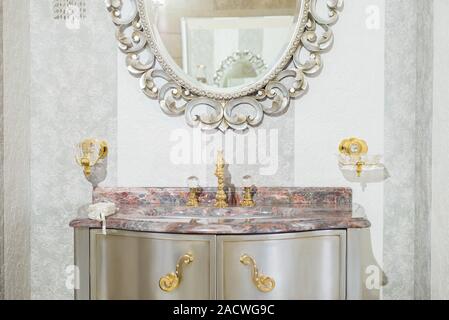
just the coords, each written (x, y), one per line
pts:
(266, 196)
(278, 210)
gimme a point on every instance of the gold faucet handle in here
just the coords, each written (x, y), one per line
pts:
(172, 280)
(262, 282)
(193, 198)
(247, 200)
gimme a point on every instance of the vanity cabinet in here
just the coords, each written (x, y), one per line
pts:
(134, 265)
(142, 265)
(308, 265)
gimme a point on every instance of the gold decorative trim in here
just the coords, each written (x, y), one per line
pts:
(180, 95)
(171, 281)
(262, 282)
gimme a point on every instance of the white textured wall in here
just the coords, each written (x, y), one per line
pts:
(440, 201)
(148, 140)
(346, 100)
(143, 138)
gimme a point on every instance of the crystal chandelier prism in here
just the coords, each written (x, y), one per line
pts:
(70, 11)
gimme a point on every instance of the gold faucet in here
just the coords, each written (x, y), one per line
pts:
(220, 198)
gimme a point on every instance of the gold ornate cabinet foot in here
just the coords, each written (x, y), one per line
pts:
(171, 281)
(262, 282)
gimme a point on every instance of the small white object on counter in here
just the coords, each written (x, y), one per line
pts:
(99, 212)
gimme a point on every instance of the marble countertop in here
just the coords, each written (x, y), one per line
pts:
(226, 221)
(280, 210)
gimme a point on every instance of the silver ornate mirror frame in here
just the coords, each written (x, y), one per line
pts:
(162, 79)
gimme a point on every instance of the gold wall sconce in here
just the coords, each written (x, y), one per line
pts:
(354, 149)
(89, 153)
(359, 166)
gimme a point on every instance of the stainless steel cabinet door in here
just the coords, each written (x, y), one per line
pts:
(310, 265)
(135, 265)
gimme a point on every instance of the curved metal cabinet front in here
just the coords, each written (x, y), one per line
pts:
(141, 265)
(137, 265)
(309, 265)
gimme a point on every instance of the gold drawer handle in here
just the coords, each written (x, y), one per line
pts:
(262, 282)
(171, 281)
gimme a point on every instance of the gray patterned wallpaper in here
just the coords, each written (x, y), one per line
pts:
(2, 276)
(73, 96)
(423, 151)
(440, 154)
(16, 164)
(408, 112)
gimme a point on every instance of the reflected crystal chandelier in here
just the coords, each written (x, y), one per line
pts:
(70, 11)
(159, 3)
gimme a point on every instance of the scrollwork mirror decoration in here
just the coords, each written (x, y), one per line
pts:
(143, 34)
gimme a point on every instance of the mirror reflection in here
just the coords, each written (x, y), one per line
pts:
(224, 43)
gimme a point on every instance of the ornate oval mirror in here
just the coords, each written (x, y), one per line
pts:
(224, 63)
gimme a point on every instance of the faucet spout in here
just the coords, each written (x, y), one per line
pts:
(221, 197)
